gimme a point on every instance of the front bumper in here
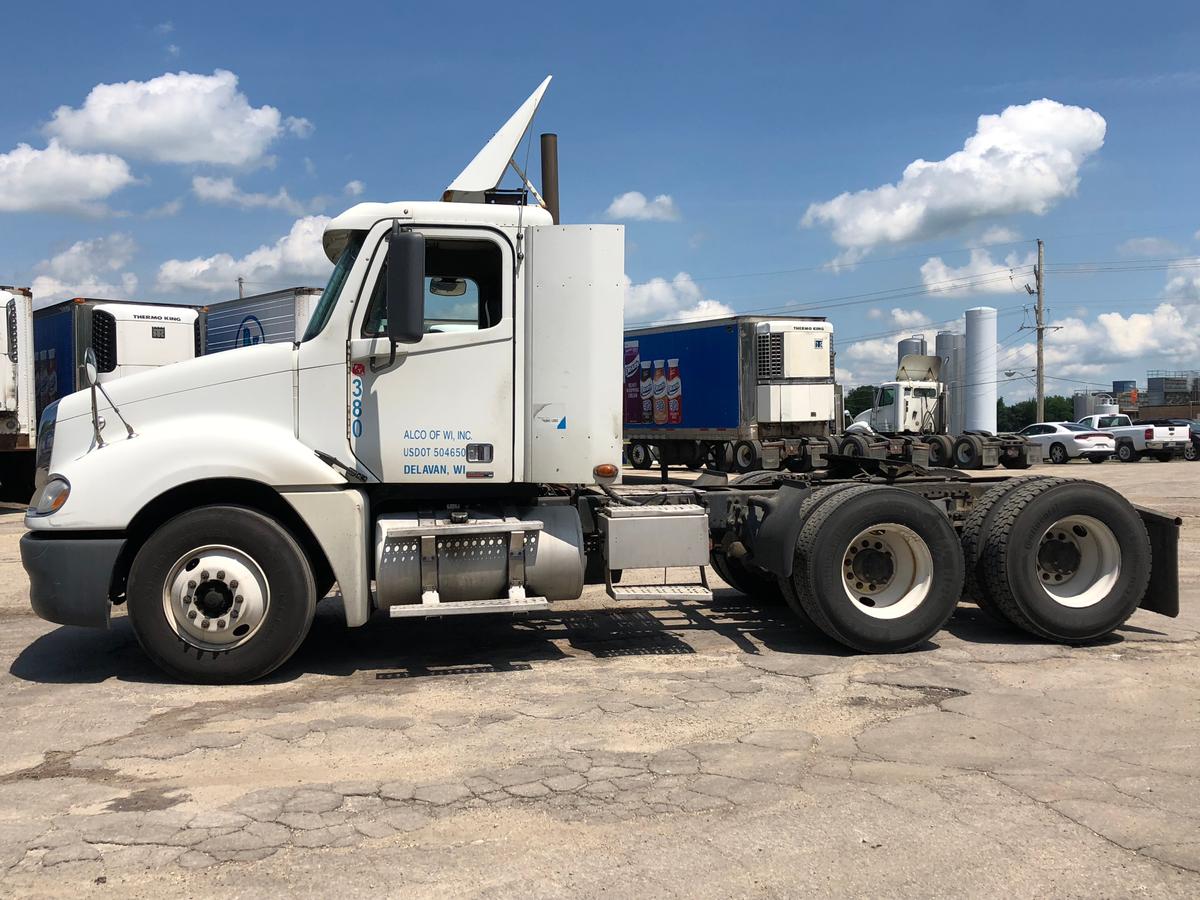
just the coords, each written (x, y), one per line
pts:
(69, 577)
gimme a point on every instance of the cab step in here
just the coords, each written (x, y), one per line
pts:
(470, 607)
(659, 592)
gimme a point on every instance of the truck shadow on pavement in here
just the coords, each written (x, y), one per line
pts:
(490, 644)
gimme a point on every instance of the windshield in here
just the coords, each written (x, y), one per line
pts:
(329, 296)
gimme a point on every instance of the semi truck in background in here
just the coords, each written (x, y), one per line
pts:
(127, 337)
(735, 394)
(441, 472)
(18, 416)
(909, 420)
(274, 317)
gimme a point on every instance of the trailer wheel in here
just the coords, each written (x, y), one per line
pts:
(865, 572)
(968, 452)
(941, 450)
(855, 445)
(640, 456)
(1066, 560)
(716, 456)
(1126, 453)
(975, 532)
(746, 456)
(221, 595)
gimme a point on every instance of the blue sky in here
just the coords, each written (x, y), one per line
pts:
(742, 120)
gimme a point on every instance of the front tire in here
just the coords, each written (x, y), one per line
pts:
(221, 595)
(1190, 453)
(1058, 454)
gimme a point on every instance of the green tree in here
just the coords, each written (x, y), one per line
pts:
(859, 399)
(1060, 408)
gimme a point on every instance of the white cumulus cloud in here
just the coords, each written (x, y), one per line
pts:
(57, 179)
(179, 117)
(999, 234)
(980, 275)
(1149, 247)
(88, 269)
(660, 300)
(635, 205)
(225, 192)
(1023, 160)
(354, 188)
(295, 257)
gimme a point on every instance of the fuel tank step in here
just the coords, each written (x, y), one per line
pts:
(469, 607)
(660, 592)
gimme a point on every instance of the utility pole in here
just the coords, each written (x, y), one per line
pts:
(242, 293)
(1041, 331)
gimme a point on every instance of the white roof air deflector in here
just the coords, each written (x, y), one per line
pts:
(915, 367)
(487, 168)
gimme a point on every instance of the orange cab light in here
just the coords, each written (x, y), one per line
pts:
(605, 470)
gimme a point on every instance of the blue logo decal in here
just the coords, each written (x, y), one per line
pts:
(250, 332)
(562, 424)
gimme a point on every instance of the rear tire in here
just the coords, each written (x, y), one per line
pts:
(235, 569)
(1126, 453)
(746, 456)
(640, 456)
(941, 450)
(968, 452)
(864, 568)
(855, 445)
(1066, 560)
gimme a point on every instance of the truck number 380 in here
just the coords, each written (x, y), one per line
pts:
(356, 392)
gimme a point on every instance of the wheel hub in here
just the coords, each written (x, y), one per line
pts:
(887, 571)
(215, 597)
(1078, 561)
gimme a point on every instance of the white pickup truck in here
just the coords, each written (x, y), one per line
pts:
(1163, 442)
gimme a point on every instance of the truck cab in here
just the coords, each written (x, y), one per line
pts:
(911, 407)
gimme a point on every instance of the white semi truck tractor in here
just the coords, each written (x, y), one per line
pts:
(445, 440)
(908, 421)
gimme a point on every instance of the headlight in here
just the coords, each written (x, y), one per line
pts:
(51, 497)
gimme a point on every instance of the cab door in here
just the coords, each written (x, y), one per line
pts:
(441, 409)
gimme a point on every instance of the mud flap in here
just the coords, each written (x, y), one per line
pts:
(774, 526)
(1162, 593)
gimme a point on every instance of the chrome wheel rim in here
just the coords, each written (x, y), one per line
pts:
(1078, 561)
(216, 597)
(887, 571)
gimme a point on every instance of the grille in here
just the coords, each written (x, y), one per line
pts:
(770, 356)
(104, 340)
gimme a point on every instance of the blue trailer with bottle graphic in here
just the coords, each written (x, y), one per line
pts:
(738, 393)
(274, 317)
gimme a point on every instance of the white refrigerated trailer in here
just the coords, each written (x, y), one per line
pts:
(446, 440)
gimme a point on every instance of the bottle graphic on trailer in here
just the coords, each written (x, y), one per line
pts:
(647, 391)
(660, 392)
(633, 387)
(674, 393)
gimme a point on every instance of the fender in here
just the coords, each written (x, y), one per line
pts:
(111, 484)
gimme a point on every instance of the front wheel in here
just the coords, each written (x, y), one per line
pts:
(1190, 453)
(221, 595)
(1058, 454)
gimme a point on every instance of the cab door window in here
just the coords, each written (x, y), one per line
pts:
(463, 288)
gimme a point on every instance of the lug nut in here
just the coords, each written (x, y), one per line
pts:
(187, 599)
(205, 623)
(237, 599)
(220, 623)
(191, 585)
(191, 614)
(204, 575)
(233, 584)
(221, 575)
(233, 614)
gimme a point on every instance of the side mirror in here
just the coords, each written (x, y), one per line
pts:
(91, 370)
(405, 287)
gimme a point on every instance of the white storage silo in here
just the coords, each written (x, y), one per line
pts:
(979, 373)
(948, 346)
(914, 344)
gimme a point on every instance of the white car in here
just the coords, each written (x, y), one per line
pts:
(1063, 441)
